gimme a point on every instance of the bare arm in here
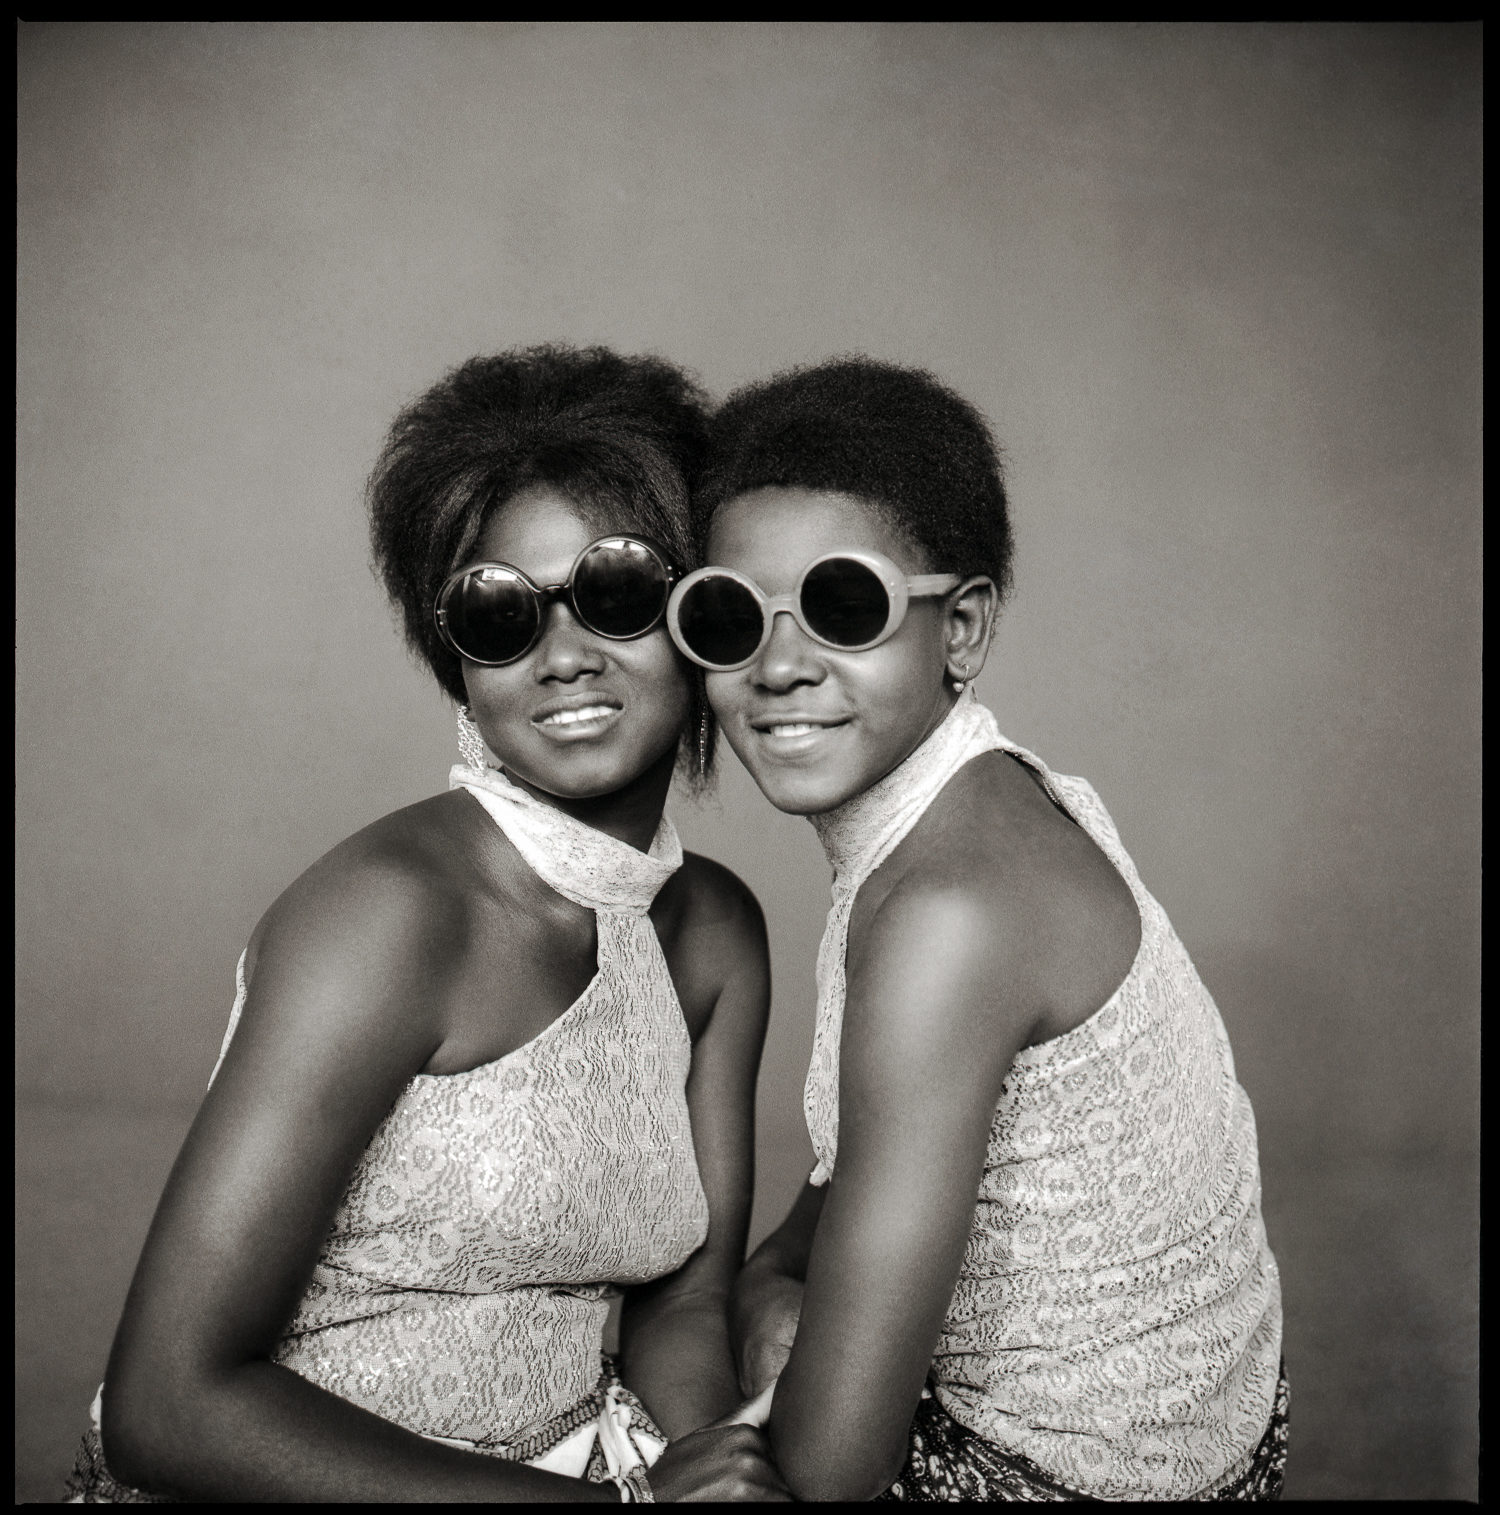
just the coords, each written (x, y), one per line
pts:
(674, 1331)
(928, 1039)
(767, 1299)
(331, 1031)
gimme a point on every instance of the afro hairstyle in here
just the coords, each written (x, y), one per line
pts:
(893, 436)
(622, 437)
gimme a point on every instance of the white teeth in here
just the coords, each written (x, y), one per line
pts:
(573, 717)
(793, 728)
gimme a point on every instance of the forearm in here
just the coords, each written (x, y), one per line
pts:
(827, 1448)
(261, 1433)
(786, 1250)
(879, 1284)
(767, 1296)
(676, 1355)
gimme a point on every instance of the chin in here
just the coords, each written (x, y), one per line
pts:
(581, 774)
(796, 793)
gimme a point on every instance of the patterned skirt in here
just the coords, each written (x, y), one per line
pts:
(948, 1462)
(565, 1444)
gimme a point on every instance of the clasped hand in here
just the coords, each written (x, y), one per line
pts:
(730, 1459)
(727, 1460)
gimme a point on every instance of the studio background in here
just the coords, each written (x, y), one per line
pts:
(1217, 288)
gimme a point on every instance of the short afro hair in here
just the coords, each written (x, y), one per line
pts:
(622, 437)
(895, 437)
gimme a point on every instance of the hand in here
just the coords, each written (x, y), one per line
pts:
(767, 1342)
(724, 1461)
(754, 1412)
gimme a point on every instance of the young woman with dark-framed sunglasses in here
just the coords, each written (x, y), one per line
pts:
(492, 1060)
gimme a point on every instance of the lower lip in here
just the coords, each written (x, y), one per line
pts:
(787, 746)
(578, 731)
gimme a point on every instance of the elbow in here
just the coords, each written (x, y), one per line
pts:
(842, 1486)
(890, 1469)
(820, 1475)
(146, 1431)
(128, 1423)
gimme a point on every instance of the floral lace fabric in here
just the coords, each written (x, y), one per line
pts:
(569, 1444)
(463, 1286)
(1117, 1316)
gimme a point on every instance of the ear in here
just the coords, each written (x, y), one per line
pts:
(972, 609)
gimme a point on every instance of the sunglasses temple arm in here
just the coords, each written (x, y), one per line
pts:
(931, 583)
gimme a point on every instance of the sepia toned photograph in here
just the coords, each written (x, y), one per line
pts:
(748, 761)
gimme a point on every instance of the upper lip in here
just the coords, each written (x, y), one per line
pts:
(575, 702)
(795, 718)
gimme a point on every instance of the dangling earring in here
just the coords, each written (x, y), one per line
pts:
(961, 682)
(470, 743)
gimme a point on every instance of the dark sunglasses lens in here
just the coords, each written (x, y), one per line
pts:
(720, 621)
(620, 588)
(491, 615)
(844, 602)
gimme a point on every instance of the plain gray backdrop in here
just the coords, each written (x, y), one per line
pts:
(1216, 287)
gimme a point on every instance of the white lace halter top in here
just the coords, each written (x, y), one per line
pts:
(1117, 1316)
(463, 1286)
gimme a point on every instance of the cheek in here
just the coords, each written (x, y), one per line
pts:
(489, 689)
(660, 676)
(893, 677)
(725, 693)
(898, 696)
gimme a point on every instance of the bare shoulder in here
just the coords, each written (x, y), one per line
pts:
(996, 875)
(359, 947)
(396, 882)
(929, 953)
(715, 896)
(713, 933)
(705, 906)
(997, 823)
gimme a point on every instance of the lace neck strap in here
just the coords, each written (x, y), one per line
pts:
(584, 865)
(862, 832)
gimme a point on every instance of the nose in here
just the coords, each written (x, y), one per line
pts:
(789, 658)
(566, 650)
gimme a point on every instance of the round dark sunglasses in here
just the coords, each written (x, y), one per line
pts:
(492, 613)
(850, 601)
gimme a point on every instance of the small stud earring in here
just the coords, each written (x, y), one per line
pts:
(470, 743)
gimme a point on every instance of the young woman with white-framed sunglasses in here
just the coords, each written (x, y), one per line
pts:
(850, 601)
(1030, 1262)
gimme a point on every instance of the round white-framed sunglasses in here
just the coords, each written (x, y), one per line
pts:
(849, 601)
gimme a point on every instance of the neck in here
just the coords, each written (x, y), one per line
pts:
(630, 815)
(858, 834)
(941, 710)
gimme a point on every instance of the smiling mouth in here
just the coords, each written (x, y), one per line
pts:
(582, 715)
(795, 734)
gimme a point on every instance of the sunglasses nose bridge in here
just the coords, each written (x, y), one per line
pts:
(788, 655)
(556, 610)
(774, 607)
(564, 646)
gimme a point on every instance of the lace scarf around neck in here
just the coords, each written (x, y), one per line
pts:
(858, 836)
(585, 865)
